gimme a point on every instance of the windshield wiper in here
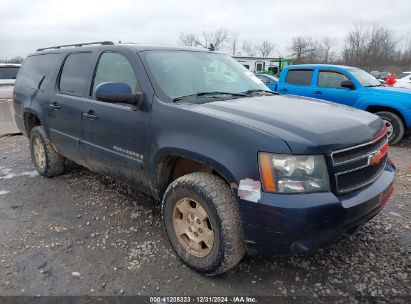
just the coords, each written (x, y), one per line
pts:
(210, 94)
(374, 85)
(259, 91)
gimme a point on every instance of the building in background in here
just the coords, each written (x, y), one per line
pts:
(268, 65)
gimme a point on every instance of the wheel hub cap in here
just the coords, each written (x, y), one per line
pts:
(390, 128)
(39, 154)
(193, 227)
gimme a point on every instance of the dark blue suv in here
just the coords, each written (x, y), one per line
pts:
(236, 166)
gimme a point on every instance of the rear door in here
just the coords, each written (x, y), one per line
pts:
(297, 82)
(115, 136)
(328, 87)
(65, 106)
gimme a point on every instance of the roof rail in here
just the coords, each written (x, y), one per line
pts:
(76, 45)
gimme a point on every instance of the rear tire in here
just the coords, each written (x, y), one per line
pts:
(395, 126)
(47, 161)
(202, 221)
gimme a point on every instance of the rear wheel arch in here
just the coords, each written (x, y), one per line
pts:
(31, 120)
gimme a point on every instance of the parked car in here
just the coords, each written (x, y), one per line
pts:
(390, 80)
(235, 165)
(269, 80)
(353, 87)
(403, 81)
(8, 74)
(376, 74)
(380, 75)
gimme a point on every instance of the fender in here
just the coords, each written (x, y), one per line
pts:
(365, 101)
(172, 151)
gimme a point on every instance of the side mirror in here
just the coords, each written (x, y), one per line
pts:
(118, 92)
(348, 84)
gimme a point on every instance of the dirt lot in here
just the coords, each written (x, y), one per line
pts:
(84, 234)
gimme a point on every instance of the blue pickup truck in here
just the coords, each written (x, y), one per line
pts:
(353, 87)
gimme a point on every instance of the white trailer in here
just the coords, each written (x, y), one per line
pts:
(263, 64)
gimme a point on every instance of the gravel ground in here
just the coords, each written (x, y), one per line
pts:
(84, 234)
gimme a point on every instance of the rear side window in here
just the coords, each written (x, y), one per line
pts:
(330, 79)
(36, 70)
(75, 74)
(8, 72)
(299, 77)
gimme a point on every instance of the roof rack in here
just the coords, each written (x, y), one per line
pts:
(76, 45)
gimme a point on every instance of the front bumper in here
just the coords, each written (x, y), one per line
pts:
(294, 223)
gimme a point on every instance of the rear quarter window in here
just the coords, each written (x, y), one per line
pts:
(36, 70)
(75, 74)
(299, 77)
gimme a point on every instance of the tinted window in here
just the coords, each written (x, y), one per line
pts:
(114, 67)
(299, 77)
(36, 70)
(329, 79)
(75, 74)
(8, 72)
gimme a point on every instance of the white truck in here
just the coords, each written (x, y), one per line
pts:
(8, 73)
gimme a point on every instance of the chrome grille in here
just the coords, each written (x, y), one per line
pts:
(354, 168)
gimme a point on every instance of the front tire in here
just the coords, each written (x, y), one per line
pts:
(202, 221)
(395, 126)
(47, 161)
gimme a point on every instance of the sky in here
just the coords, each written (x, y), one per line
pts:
(26, 25)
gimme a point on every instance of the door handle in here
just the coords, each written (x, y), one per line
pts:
(284, 90)
(90, 115)
(318, 92)
(54, 105)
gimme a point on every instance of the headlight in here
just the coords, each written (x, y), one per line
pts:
(285, 173)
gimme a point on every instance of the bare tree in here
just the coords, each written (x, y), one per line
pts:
(369, 46)
(326, 50)
(234, 41)
(248, 48)
(302, 48)
(266, 48)
(214, 39)
(187, 39)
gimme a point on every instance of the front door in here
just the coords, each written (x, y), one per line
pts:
(115, 136)
(328, 87)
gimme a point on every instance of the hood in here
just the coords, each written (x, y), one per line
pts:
(309, 126)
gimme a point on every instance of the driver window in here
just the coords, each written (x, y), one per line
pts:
(329, 79)
(114, 67)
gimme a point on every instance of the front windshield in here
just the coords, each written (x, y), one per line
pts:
(185, 73)
(366, 79)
